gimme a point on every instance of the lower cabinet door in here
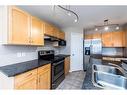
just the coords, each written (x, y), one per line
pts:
(35, 79)
(44, 80)
(29, 84)
(67, 65)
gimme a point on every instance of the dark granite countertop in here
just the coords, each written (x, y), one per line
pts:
(15, 69)
(114, 56)
(18, 68)
(125, 61)
(111, 56)
(87, 84)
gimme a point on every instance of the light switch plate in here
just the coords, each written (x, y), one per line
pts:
(23, 54)
(19, 54)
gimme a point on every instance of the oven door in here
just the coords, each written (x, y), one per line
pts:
(57, 70)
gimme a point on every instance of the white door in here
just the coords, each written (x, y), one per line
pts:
(76, 51)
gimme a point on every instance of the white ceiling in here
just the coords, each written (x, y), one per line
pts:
(88, 15)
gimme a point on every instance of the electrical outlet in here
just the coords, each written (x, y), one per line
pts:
(23, 54)
(19, 54)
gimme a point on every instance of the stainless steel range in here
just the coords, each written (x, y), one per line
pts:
(57, 66)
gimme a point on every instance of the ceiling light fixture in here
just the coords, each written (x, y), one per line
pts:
(107, 26)
(117, 28)
(76, 20)
(96, 29)
(70, 12)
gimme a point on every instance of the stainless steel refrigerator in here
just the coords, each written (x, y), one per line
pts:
(91, 46)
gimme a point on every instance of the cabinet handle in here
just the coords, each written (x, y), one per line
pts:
(29, 75)
(29, 41)
(39, 79)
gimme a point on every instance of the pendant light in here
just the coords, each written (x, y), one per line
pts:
(107, 26)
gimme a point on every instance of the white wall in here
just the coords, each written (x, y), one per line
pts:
(68, 32)
(66, 49)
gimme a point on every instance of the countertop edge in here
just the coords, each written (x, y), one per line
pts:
(13, 75)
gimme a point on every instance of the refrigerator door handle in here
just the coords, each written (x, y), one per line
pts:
(91, 49)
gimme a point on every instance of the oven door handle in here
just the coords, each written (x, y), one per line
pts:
(57, 63)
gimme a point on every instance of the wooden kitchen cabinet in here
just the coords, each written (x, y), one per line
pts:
(61, 35)
(93, 36)
(124, 39)
(88, 36)
(96, 36)
(56, 32)
(39, 78)
(26, 80)
(113, 39)
(37, 29)
(66, 65)
(19, 26)
(49, 29)
(107, 39)
(29, 84)
(44, 78)
(117, 39)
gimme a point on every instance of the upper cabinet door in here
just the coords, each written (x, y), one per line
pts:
(62, 35)
(49, 30)
(44, 77)
(124, 39)
(96, 36)
(19, 22)
(37, 29)
(56, 32)
(88, 36)
(117, 39)
(107, 39)
(113, 39)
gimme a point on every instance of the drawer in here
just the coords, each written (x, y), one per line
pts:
(44, 68)
(21, 78)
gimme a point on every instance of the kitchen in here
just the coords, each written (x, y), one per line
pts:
(36, 53)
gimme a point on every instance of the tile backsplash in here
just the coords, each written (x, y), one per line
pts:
(48, 46)
(15, 54)
(112, 51)
(12, 54)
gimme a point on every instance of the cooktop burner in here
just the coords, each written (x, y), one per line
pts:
(57, 58)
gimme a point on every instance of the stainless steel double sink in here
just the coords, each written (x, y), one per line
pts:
(109, 77)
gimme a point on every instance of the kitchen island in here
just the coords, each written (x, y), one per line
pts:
(87, 84)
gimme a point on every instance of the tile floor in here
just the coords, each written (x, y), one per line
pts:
(73, 80)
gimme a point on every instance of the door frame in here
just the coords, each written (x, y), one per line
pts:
(71, 59)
